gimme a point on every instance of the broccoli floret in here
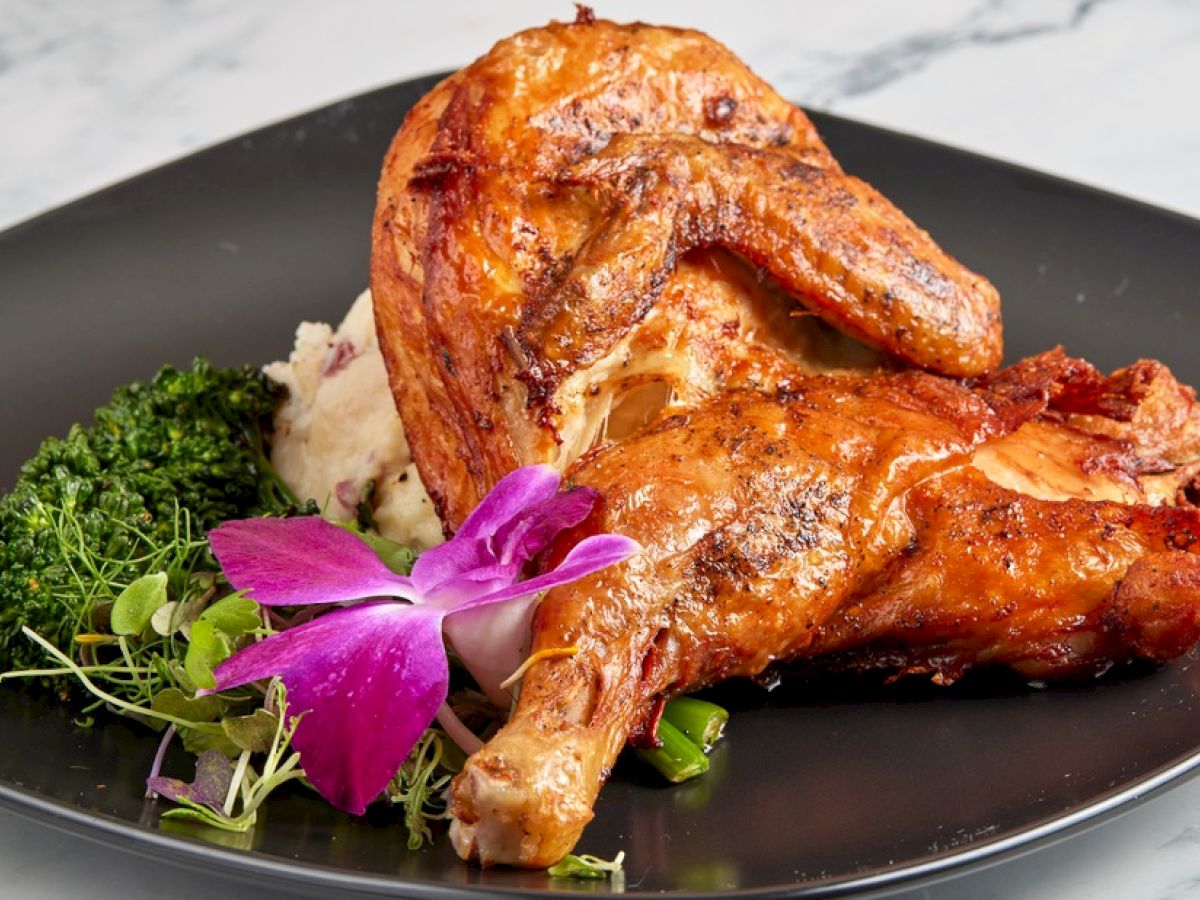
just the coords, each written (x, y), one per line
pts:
(105, 494)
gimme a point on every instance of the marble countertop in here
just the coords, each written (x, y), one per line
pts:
(1100, 91)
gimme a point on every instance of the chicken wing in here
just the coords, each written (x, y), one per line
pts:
(512, 191)
(827, 239)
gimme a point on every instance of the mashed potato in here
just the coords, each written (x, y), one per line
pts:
(338, 432)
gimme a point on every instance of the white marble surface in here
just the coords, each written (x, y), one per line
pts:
(1102, 91)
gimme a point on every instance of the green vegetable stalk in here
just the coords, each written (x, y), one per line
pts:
(687, 730)
(678, 759)
(701, 721)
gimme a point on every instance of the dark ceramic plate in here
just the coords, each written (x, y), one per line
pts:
(821, 787)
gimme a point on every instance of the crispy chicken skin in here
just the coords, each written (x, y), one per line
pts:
(533, 228)
(1048, 588)
(614, 249)
(826, 238)
(753, 526)
(845, 521)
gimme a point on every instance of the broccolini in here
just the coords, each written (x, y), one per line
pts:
(191, 440)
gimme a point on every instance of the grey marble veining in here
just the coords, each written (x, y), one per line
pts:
(843, 75)
(1103, 91)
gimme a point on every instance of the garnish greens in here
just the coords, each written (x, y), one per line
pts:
(106, 567)
(222, 788)
(590, 867)
(132, 495)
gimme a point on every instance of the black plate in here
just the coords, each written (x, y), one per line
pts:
(821, 787)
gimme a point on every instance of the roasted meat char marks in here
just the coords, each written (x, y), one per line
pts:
(834, 243)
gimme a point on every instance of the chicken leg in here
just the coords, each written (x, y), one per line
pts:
(844, 514)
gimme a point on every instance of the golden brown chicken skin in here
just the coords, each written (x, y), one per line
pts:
(614, 249)
(826, 238)
(1057, 552)
(509, 189)
(843, 515)
(1051, 589)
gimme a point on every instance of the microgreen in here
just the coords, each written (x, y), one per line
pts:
(176, 703)
(136, 604)
(214, 775)
(253, 732)
(207, 648)
(590, 867)
(233, 616)
(221, 788)
(419, 785)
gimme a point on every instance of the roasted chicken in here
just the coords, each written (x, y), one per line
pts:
(614, 249)
(530, 273)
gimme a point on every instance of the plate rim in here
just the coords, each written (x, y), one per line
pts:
(137, 839)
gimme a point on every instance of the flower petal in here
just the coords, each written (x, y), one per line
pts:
(493, 641)
(513, 493)
(531, 532)
(368, 680)
(287, 562)
(589, 555)
(474, 583)
(459, 557)
(515, 498)
(491, 635)
(516, 521)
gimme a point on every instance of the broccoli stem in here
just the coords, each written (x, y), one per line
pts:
(701, 721)
(270, 481)
(678, 759)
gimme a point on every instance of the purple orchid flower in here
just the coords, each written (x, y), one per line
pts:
(370, 677)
